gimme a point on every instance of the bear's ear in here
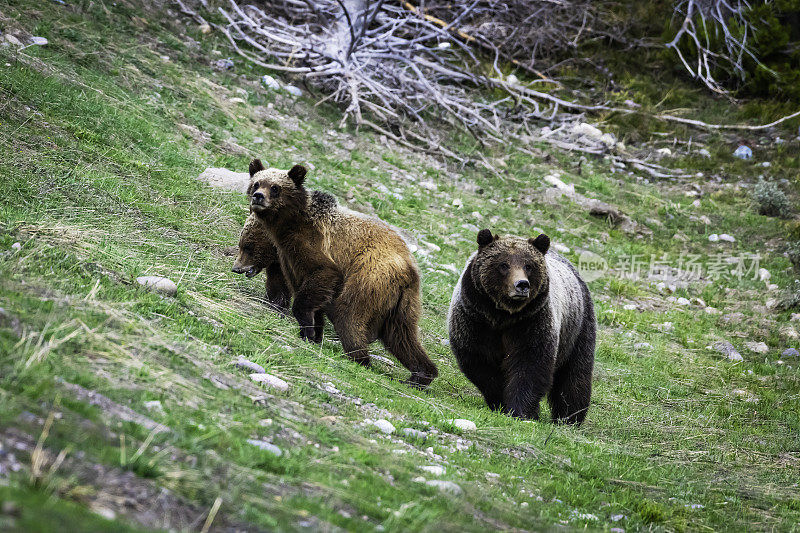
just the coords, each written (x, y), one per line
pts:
(256, 166)
(541, 243)
(485, 237)
(297, 174)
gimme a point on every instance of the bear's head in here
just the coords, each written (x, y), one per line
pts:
(273, 191)
(254, 247)
(511, 271)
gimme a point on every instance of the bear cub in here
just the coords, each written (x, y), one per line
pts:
(522, 325)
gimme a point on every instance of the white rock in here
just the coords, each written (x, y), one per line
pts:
(266, 446)
(419, 479)
(294, 91)
(664, 152)
(154, 406)
(447, 487)
(258, 140)
(458, 203)
(39, 41)
(158, 283)
(464, 424)
(13, 40)
(270, 82)
(270, 381)
(16, 247)
(560, 248)
(703, 152)
(727, 349)
(705, 220)
(643, 346)
(583, 128)
(629, 307)
(512, 79)
(436, 470)
(384, 426)
(476, 215)
(727, 238)
(713, 237)
(443, 45)
(411, 432)
(428, 185)
(555, 181)
(225, 179)
(243, 363)
(471, 227)
(696, 203)
(682, 301)
(236, 100)
(763, 274)
(757, 347)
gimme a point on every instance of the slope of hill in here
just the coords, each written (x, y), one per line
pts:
(123, 408)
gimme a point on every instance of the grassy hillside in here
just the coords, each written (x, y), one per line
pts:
(122, 410)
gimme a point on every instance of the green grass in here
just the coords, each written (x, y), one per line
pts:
(99, 187)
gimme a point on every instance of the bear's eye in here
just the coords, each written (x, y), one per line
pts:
(274, 191)
(504, 267)
(528, 268)
(256, 185)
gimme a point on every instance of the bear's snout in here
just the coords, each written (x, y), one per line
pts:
(258, 197)
(522, 287)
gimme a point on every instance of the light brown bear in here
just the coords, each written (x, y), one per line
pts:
(257, 253)
(352, 268)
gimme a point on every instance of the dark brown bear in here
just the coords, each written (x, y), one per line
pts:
(522, 325)
(256, 253)
(354, 269)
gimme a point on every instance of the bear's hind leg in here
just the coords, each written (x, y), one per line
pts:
(572, 387)
(354, 339)
(399, 335)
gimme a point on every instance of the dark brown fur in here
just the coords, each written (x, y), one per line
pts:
(522, 325)
(354, 269)
(257, 253)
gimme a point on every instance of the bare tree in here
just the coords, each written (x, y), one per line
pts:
(718, 32)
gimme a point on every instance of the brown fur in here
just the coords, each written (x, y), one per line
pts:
(256, 253)
(354, 269)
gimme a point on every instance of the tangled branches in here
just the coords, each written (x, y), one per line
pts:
(705, 23)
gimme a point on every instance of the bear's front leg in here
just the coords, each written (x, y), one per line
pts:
(528, 368)
(316, 292)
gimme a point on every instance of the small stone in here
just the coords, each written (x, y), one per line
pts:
(757, 347)
(643, 346)
(470, 227)
(222, 64)
(727, 349)
(705, 220)
(664, 152)
(682, 301)
(464, 424)
(788, 332)
(294, 91)
(258, 140)
(16, 247)
(492, 475)
(39, 41)
(419, 479)
(727, 238)
(588, 130)
(630, 307)
(560, 248)
(244, 364)
(743, 152)
(763, 274)
(159, 284)
(704, 152)
(631, 103)
(448, 487)
(13, 40)
(154, 406)
(105, 512)
(205, 28)
(713, 237)
(436, 470)
(270, 381)
(236, 100)
(411, 432)
(270, 82)
(266, 446)
(384, 426)
(790, 352)
(457, 203)
(617, 517)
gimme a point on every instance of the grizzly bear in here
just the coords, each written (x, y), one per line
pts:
(257, 253)
(351, 268)
(522, 325)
